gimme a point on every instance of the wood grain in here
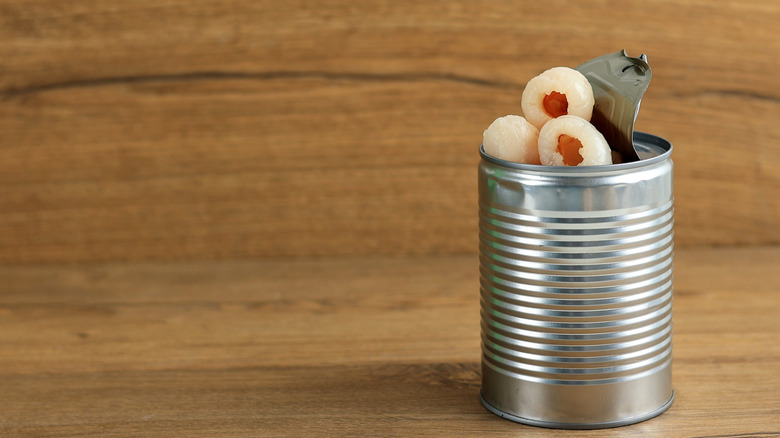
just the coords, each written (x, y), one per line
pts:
(349, 347)
(175, 130)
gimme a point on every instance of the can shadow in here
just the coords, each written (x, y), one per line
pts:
(432, 389)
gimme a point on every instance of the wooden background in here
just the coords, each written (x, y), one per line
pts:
(180, 130)
(258, 218)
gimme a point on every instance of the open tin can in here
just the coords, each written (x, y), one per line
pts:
(576, 289)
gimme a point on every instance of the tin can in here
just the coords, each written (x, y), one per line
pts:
(576, 289)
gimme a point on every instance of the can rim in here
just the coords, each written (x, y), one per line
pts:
(641, 138)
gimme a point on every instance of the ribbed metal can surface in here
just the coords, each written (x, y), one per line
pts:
(576, 289)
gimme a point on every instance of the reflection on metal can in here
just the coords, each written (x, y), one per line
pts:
(576, 289)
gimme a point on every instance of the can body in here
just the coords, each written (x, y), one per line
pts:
(576, 289)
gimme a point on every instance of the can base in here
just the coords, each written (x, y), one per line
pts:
(581, 426)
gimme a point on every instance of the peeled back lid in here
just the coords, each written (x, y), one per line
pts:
(618, 82)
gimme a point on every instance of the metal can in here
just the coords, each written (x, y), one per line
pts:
(576, 289)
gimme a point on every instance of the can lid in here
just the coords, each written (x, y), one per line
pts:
(619, 82)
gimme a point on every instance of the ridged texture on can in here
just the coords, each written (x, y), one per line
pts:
(588, 300)
(576, 273)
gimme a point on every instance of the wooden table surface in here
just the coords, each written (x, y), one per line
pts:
(383, 346)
